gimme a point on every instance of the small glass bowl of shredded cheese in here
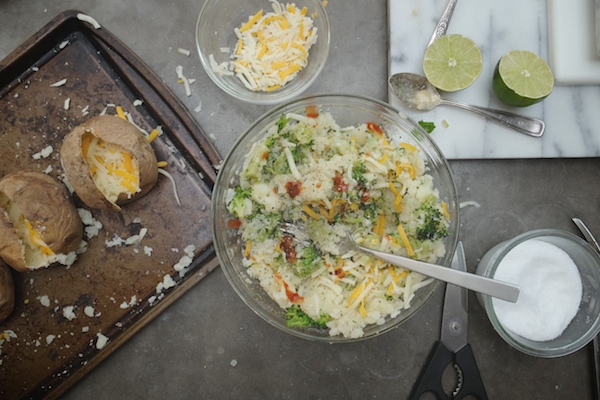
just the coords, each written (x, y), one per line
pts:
(330, 164)
(263, 51)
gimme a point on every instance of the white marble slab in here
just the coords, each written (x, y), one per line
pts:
(572, 47)
(571, 113)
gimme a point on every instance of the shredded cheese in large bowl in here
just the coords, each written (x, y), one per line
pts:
(333, 164)
(263, 51)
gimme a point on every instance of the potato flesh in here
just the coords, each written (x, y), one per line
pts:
(35, 251)
(114, 170)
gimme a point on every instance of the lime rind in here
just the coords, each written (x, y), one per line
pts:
(452, 62)
(521, 78)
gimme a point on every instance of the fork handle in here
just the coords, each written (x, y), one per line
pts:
(491, 287)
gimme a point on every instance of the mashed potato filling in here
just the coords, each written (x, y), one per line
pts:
(35, 251)
(329, 180)
(114, 170)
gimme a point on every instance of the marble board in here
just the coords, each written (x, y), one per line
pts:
(571, 112)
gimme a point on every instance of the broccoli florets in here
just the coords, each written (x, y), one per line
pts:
(308, 261)
(240, 205)
(295, 317)
(282, 122)
(433, 225)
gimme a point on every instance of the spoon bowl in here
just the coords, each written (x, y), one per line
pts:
(417, 93)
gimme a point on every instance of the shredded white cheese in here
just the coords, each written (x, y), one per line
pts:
(89, 20)
(272, 48)
(185, 52)
(184, 80)
(59, 83)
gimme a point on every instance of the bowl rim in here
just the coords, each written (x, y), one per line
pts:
(320, 99)
(513, 339)
(287, 92)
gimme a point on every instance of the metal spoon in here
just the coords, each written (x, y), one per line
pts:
(417, 93)
(442, 25)
(596, 342)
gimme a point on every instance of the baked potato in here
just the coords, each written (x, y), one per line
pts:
(39, 224)
(7, 292)
(108, 162)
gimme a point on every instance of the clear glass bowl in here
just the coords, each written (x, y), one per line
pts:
(586, 324)
(347, 110)
(215, 30)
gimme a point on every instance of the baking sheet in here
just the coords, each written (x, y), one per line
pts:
(113, 291)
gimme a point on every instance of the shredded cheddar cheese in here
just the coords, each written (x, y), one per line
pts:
(272, 48)
(113, 169)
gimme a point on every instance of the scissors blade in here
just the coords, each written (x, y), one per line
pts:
(455, 314)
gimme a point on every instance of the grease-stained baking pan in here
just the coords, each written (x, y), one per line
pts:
(67, 320)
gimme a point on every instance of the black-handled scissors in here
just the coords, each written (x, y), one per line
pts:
(453, 348)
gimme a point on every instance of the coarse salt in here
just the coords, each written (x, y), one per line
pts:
(551, 290)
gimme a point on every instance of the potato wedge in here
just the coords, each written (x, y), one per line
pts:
(109, 162)
(39, 224)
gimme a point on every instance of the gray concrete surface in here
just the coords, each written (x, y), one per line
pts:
(210, 345)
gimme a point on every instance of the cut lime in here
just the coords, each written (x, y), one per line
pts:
(452, 62)
(521, 78)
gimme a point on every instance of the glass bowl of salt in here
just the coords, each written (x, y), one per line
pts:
(558, 310)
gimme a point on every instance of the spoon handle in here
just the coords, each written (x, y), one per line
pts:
(499, 289)
(442, 25)
(527, 125)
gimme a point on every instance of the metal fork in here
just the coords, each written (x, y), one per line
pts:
(499, 289)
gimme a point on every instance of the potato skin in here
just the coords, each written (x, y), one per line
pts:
(114, 130)
(7, 292)
(48, 206)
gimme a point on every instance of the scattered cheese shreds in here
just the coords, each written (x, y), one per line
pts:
(89, 20)
(59, 83)
(170, 177)
(67, 103)
(183, 51)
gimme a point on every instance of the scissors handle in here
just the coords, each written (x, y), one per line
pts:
(472, 385)
(431, 376)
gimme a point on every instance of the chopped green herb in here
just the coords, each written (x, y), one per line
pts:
(428, 126)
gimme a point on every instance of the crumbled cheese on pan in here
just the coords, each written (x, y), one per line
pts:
(137, 102)
(92, 225)
(67, 103)
(44, 300)
(63, 44)
(44, 153)
(101, 341)
(69, 312)
(89, 311)
(199, 108)
(50, 338)
(185, 52)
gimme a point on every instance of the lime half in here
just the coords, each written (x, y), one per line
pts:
(452, 62)
(521, 78)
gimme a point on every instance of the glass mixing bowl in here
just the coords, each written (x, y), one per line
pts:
(346, 110)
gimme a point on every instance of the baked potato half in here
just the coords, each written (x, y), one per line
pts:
(7, 292)
(39, 224)
(109, 162)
